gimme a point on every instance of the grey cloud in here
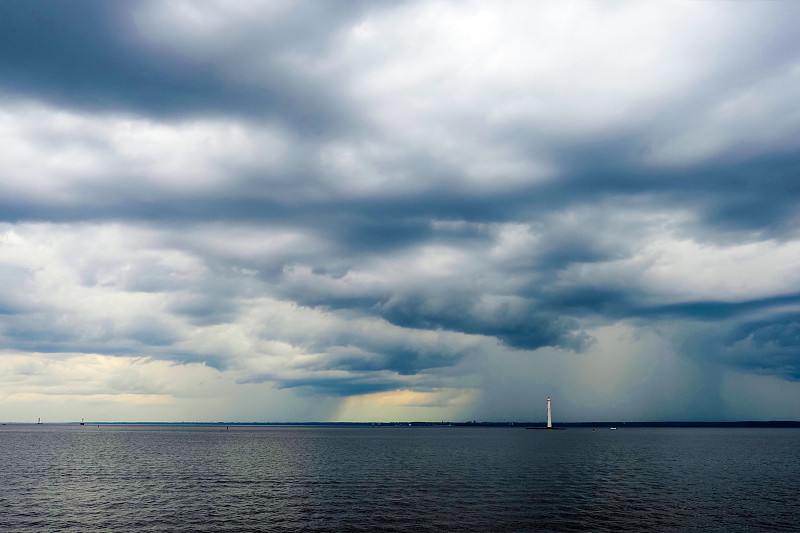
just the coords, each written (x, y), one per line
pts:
(90, 55)
(716, 310)
(151, 332)
(526, 327)
(12, 300)
(205, 308)
(766, 346)
(334, 386)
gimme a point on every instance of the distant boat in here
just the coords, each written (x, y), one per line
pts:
(82, 422)
(613, 428)
(39, 421)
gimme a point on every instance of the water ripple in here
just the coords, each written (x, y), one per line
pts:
(153, 478)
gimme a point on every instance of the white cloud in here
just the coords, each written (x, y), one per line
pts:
(671, 270)
(453, 80)
(752, 119)
(70, 386)
(61, 157)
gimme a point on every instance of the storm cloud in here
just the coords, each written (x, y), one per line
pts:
(460, 206)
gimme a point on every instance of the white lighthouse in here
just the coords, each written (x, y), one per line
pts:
(549, 420)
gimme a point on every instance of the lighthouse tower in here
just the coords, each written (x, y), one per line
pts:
(549, 420)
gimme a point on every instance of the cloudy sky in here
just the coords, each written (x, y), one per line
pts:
(275, 211)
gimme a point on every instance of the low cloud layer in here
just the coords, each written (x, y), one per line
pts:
(410, 210)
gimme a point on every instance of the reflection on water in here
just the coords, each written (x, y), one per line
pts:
(185, 478)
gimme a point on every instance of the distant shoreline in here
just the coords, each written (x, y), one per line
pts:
(619, 425)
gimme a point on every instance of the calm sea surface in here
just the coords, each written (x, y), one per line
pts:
(178, 478)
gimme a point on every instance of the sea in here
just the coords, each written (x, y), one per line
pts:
(174, 478)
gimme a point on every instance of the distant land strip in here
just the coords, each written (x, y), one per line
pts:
(619, 425)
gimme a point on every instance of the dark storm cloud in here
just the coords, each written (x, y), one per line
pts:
(36, 332)
(526, 328)
(768, 346)
(206, 309)
(760, 194)
(715, 310)
(335, 386)
(84, 54)
(90, 55)
(734, 192)
(402, 360)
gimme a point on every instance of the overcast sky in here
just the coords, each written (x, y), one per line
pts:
(292, 211)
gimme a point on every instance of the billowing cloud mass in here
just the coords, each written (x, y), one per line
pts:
(281, 211)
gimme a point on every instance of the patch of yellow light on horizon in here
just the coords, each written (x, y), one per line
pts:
(409, 398)
(398, 397)
(405, 404)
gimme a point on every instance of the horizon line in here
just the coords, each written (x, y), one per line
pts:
(654, 423)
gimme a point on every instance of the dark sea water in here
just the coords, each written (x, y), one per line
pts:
(179, 478)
